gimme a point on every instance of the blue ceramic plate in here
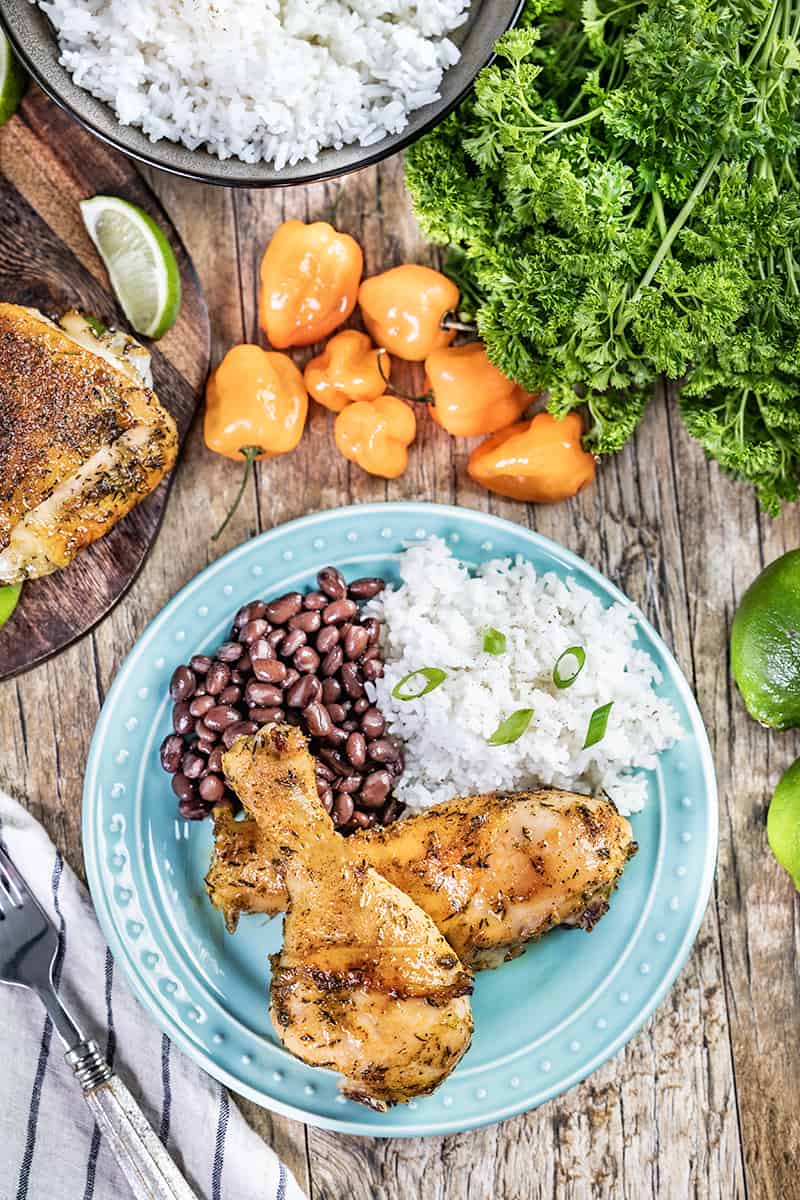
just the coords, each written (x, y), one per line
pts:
(542, 1022)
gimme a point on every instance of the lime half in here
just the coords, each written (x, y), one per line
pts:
(139, 261)
(12, 81)
(9, 595)
(765, 644)
(783, 823)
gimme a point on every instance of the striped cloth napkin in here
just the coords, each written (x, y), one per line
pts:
(51, 1147)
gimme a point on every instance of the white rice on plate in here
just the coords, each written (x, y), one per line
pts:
(271, 80)
(438, 618)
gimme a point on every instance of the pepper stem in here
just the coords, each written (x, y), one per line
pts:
(450, 321)
(250, 454)
(427, 398)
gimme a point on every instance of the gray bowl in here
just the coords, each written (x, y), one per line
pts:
(34, 42)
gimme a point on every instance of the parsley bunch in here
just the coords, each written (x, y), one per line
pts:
(622, 201)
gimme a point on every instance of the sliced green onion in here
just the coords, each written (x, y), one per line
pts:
(97, 327)
(494, 642)
(598, 724)
(433, 676)
(565, 681)
(9, 595)
(512, 729)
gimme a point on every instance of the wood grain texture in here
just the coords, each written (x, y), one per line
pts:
(703, 1103)
(48, 164)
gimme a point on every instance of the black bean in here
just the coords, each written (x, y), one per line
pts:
(182, 719)
(337, 711)
(317, 720)
(309, 622)
(200, 663)
(331, 690)
(294, 639)
(350, 784)
(211, 789)
(332, 661)
(334, 760)
(240, 729)
(383, 750)
(291, 679)
(343, 808)
(360, 705)
(314, 601)
(373, 628)
(339, 611)
(182, 684)
(171, 750)
(215, 760)
(306, 660)
(397, 766)
(263, 695)
(331, 583)
(266, 716)
(182, 787)
(229, 652)
(260, 648)
(254, 630)
(193, 765)
(204, 745)
(244, 665)
(218, 678)
(391, 811)
(327, 639)
(221, 716)
(372, 670)
(356, 641)
(254, 611)
(279, 611)
(366, 589)
(203, 732)
(364, 820)
(375, 789)
(357, 749)
(326, 798)
(230, 695)
(269, 670)
(324, 773)
(276, 637)
(351, 681)
(193, 810)
(301, 693)
(200, 705)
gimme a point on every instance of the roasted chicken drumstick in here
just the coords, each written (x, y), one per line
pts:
(494, 872)
(364, 984)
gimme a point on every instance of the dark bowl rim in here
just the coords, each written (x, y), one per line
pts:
(402, 142)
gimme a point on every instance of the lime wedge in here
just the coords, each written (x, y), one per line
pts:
(9, 595)
(12, 81)
(783, 823)
(139, 261)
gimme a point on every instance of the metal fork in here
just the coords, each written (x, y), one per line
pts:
(28, 945)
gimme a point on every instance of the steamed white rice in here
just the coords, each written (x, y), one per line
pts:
(273, 80)
(438, 618)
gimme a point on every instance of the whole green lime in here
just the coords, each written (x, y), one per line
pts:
(783, 823)
(765, 644)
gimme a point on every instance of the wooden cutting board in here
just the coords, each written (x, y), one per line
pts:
(48, 163)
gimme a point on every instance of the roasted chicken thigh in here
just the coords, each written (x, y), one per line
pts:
(493, 872)
(365, 984)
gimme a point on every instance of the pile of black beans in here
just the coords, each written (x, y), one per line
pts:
(302, 659)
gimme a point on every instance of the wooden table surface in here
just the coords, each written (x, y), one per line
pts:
(705, 1101)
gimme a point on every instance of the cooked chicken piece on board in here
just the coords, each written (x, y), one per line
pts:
(364, 984)
(82, 438)
(494, 872)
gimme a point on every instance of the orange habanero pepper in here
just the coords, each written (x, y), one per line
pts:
(403, 310)
(540, 460)
(470, 395)
(348, 369)
(377, 435)
(309, 283)
(256, 407)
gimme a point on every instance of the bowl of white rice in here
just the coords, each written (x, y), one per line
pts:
(257, 93)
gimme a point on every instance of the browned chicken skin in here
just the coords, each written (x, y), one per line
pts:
(82, 439)
(364, 984)
(493, 872)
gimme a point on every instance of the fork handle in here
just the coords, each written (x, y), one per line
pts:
(148, 1168)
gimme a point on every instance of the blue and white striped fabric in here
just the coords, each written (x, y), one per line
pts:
(51, 1149)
